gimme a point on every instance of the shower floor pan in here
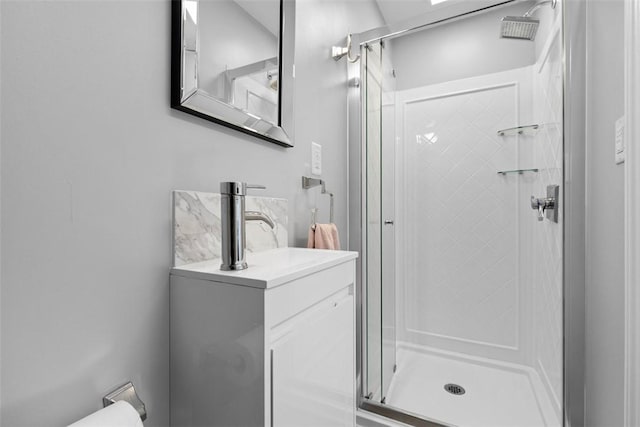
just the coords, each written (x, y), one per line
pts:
(509, 396)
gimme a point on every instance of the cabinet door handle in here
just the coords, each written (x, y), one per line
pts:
(388, 222)
(271, 388)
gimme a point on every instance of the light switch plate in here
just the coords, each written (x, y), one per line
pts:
(620, 140)
(316, 158)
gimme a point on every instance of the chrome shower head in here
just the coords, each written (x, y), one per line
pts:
(519, 27)
(523, 27)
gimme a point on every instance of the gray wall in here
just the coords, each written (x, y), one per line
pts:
(604, 216)
(464, 48)
(90, 153)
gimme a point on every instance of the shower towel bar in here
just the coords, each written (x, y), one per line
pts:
(308, 182)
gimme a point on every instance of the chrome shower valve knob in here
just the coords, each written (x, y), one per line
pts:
(545, 204)
(542, 204)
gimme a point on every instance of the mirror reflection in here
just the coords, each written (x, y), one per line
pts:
(230, 67)
(239, 54)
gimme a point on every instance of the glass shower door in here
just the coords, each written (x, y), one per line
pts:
(380, 225)
(463, 280)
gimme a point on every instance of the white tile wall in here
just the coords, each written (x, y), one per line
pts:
(460, 219)
(481, 275)
(547, 237)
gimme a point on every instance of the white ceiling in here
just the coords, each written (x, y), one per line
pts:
(266, 12)
(400, 10)
(395, 11)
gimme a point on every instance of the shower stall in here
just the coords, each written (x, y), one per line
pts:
(460, 184)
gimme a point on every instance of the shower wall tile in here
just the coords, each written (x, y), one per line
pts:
(197, 230)
(547, 241)
(481, 275)
(462, 287)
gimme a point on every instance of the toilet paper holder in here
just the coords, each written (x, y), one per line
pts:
(127, 393)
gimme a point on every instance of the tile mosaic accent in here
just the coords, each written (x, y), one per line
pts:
(197, 229)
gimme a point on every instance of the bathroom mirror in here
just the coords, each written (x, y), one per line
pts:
(232, 63)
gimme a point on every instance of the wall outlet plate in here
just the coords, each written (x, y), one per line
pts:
(316, 158)
(619, 138)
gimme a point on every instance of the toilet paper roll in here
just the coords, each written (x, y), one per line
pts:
(120, 414)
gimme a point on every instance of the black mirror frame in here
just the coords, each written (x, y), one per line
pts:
(282, 133)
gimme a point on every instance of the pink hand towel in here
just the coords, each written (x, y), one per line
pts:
(323, 236)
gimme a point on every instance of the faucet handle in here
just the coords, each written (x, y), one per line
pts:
(237, 188)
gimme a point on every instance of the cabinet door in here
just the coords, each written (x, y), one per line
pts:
(313, 368)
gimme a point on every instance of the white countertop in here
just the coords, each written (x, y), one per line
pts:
(269, 268)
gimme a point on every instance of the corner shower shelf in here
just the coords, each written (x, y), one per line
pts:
(519, 130)
(518, 171)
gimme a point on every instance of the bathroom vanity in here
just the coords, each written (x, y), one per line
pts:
(272, 345)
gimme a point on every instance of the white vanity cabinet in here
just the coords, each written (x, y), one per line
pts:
(273, 345)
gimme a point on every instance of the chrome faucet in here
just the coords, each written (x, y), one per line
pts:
(259, 216)
(233, 218)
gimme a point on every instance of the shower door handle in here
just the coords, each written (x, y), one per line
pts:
(388, 222)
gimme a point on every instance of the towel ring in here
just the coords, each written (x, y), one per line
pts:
(307, 183)
(314, 213)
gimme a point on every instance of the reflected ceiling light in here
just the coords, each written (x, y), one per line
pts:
(428, 138)
(434, 2)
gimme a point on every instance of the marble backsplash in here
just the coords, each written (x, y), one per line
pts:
(196, 226)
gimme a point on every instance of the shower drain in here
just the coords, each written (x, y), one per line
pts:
(454, 389)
